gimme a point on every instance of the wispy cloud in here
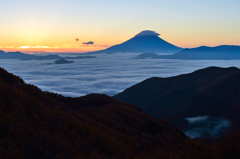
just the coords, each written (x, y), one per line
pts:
(197, 119)
(204, 126)
(88, 43)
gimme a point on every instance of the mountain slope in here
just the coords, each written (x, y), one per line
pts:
(145, 41)
(36, 124)
(211, 91)
(225, 52)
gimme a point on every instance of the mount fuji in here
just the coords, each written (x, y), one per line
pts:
(145, 41)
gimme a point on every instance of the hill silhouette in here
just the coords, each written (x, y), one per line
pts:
(15, 55)
(211, 92)
(36, 124)
(223, 52)
(44, 125)
(22, 56)
(145, 41)
(62, 61)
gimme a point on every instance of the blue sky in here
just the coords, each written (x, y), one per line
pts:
(57, 22)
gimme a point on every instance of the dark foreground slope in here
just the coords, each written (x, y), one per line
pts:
(211, 91)
(36, 124)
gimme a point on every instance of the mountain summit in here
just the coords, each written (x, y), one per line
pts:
(145, 41)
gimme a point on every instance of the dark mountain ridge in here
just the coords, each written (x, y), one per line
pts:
(222, 52)
(36, 124)
(211, 91)
(44, 125)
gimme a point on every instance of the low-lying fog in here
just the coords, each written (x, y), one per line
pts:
(206, 126)
(108, 73)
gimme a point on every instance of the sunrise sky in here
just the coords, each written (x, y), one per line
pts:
(35, 26)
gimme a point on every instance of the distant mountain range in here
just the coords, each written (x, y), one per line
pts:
(223, 52)
(22, 56)
(15, 55)
(211, 92)
(148, 42)
(145, 41)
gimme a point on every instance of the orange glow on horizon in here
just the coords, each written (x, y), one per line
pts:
(79, 48)
(65, 48)
(69, 45)
(25, 47)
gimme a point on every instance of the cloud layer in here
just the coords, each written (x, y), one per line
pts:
(109, 74)
(87, 43)
(206, 126)
(147, 33)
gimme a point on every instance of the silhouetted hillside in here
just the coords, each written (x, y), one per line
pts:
(145, 41)
(223, 52)
(14, 55)
(36, 124)
(212, 91)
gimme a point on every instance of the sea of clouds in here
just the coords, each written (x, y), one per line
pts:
(111, 74)
(108, 73)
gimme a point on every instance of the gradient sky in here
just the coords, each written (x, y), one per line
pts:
(53, 25)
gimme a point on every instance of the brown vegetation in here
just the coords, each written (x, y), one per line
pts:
(36, 124)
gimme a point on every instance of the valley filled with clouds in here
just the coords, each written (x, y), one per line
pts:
(108, 73)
